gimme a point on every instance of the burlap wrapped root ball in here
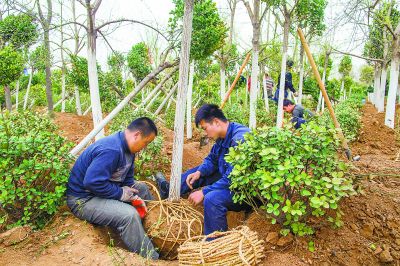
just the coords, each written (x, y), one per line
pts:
(240, 246)
(169, 224)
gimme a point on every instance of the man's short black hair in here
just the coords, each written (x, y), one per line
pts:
(289, 63)
(208, 112)
(287, 102)
(144, 125)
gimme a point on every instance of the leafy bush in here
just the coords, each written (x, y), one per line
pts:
(35, 164)
(293, 174)
(348, 116)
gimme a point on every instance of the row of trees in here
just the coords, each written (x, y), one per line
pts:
(206, 49)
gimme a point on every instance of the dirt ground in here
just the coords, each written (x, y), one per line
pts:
(370, 234)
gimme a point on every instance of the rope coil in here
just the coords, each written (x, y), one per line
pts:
(240, 246)
(169, 224)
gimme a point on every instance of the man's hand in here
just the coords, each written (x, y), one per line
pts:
(296, 94)
(196, 197)
(192, 178)
(128, 194)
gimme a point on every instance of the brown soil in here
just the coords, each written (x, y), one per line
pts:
(370, 234)
(74, 127)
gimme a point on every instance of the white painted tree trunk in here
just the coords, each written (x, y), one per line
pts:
(377, 85)
(169, 104)
(391, 99)
(87, 110)
(321, 102)
(97, 114)
(189, 132)
(342, 90)
(254, 74)
(28, 89)
(157, 88)
(176, 166)
(167, 99)
(381, 93)
(152, 100)
(63, 90)
(398, 92)
(265, 94)
(17, 95)
(279, 117)
(222, 81)
(77, 101)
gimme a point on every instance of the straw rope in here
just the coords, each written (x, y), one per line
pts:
(176, 222)
(240, 246)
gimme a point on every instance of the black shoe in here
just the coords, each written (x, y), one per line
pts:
(163, 185)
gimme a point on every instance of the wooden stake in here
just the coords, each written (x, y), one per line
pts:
(246, 60)
(324, 94)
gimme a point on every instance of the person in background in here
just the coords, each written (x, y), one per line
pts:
(269, 84)
(288, 82)
(298, 113)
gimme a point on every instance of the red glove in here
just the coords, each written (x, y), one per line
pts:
(140, 206)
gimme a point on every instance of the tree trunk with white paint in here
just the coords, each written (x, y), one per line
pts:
(176, 166)
(63, 89)
(157, 88)
(381, 94)
(189, 133)
(97, 114)
(167, 99)
(152, 101)
(382, 90)
(77, 101)
(222, 73)
(342, 90)
(62, 63)
(265, 94)
(377, 84)
(321, 102)
(255, 21)
(394, 77)
(279, 117)
(28, 89)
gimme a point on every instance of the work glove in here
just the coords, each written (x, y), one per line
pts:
(128, 194)
(140, 206)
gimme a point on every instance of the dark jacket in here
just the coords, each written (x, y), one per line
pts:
(102, 169)
(215, 161)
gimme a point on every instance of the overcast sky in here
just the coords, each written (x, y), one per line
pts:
(156, 13)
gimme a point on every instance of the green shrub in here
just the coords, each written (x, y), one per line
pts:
(293, 174)
(35, 164)
(169, 116)
(348, 116)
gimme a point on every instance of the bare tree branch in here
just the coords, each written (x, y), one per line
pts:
(133, 21)
(359, 56)
(96, 5)
(251, 14)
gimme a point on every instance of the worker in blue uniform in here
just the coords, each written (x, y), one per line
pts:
(101, 186)
(213, 174)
